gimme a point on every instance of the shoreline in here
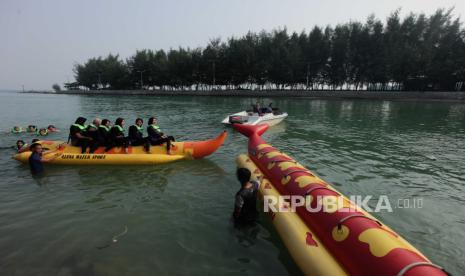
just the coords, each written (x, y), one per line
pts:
(340, 94)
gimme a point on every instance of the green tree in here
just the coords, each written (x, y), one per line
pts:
(56, 87)
(416, 52)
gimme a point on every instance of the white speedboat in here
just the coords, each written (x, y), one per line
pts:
(251, 118)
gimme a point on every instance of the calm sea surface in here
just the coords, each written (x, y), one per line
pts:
(177, 215)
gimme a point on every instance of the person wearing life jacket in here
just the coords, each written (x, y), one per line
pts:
(31, 128)
(20, 145)
(136, 135)
(104, 133)
(92, 131)
(245, 206)
(42, 132)
(156, 136)
(117, 137)
(77, 134)
(17, 129)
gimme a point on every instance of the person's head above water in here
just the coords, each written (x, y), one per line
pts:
(43, 131)
(80, 121)
(36, 147)
(153, 121)
(105, 122)
(243, 175)
(119, 122)
(51, 127)
(31, 128)
(19, 144)
(16, 128)
(35, 140)
(139, 122)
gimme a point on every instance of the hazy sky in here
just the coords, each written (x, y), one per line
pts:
(41, 40)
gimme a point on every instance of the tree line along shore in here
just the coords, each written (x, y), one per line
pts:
(416, 52)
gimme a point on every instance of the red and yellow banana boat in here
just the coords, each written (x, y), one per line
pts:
(66, 154)
(345, 240)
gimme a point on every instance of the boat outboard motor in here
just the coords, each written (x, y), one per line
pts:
(237, 119)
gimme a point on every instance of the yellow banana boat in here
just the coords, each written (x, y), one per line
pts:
(61, 153)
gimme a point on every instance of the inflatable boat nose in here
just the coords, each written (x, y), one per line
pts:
(204, 148)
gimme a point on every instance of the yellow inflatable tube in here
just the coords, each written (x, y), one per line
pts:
(306, 249)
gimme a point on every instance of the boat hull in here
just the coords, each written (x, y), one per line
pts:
(267, 119)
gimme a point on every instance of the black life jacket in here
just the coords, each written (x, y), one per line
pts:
(249, 209)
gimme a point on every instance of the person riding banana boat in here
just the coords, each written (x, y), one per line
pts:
(92, 131)
(117, 136)
(136, 135)
(156, 136)
(77, 135)
(104, 132)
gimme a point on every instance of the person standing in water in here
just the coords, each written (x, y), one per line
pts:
(36, 159)
(245, 206)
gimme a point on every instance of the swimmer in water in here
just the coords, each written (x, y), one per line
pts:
(20, 145)
(32, 128)
(52, 128)
(42, 132)
(17, 129)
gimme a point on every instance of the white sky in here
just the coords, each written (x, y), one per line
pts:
(40, 40)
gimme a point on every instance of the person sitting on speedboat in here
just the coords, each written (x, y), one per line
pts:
(256, 107)
(269, 109)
